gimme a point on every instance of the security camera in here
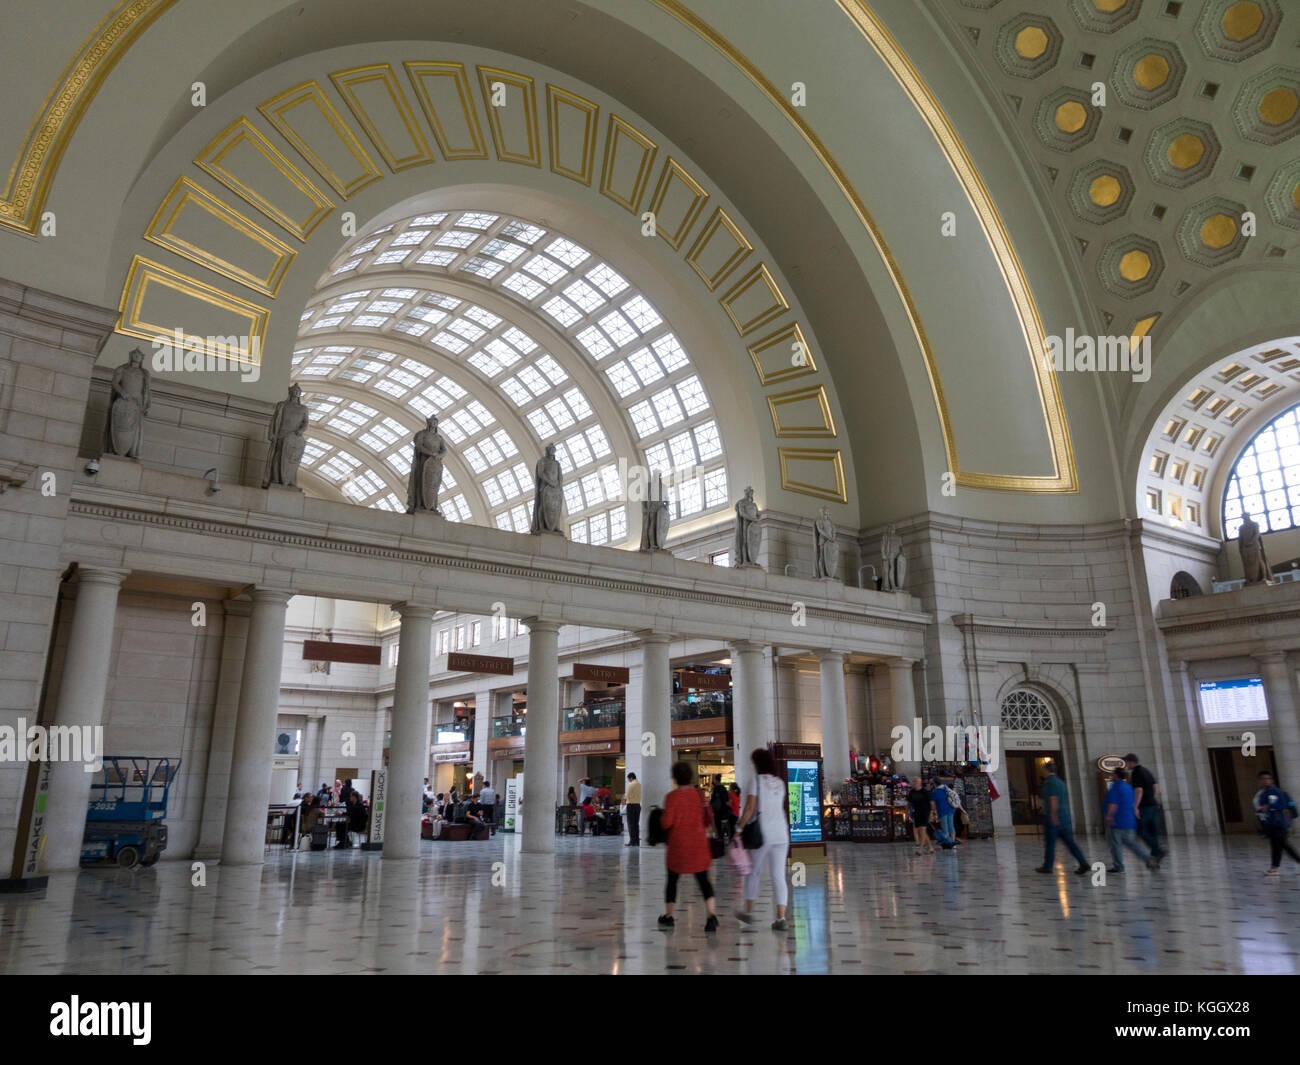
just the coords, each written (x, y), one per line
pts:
(92, 467)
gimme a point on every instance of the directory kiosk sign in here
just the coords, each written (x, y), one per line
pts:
(803, 783)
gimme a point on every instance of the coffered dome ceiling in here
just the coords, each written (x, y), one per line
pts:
(1161, 130)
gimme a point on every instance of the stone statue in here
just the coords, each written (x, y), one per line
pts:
(129, 403)
(1250, 545)
(428, 448)
(288, 423)
(654, 521)
(826, 549)
(548, 494)
(895, 571)
(745, 549)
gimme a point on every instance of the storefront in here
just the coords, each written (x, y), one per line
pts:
(452, 747)
(701, 720)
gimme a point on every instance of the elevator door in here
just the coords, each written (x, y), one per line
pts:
(1235, 783)
(1024, 778)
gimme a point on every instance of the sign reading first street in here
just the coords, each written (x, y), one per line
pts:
(463, 663)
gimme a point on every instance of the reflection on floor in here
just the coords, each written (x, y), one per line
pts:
(591, 908)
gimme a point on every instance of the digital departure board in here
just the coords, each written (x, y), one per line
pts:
(1227, 702)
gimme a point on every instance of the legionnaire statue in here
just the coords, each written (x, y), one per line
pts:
(745, 549)
(548, 494)
(288, 424)
(1250, 545)
(654, 520)
(826, 549)
(895, 571)
(129, 403)
(428, 448)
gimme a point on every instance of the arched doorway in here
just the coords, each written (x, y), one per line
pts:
(1030, 738)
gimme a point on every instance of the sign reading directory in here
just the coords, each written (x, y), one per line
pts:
(803, 780)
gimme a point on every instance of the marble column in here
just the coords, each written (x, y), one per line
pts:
(656, 724)
(750, 724)
(1283, 722)
(542, 742)
(1196, 812)
(835, 718)
(902, 711)
(221, 736)
(988, 679)
(244, 836)
(484, 710)
(83, 686)
(409, 752)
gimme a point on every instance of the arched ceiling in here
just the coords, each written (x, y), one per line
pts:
(570, 354)
(1198, 436)
(931, 340)
(1159, 177)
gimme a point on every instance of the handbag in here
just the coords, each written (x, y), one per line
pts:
(716, 848)
(739, 859)
(752, 834)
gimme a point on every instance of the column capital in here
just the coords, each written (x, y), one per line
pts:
(901, 663)
(536, 624)
(745, 646)
(411, 608)
(652, 636)
(237, 608)
(277, 594)
(1269, 657)
(832, 656)
(102, 575)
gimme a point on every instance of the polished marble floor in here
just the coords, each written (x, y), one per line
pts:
(591, 908)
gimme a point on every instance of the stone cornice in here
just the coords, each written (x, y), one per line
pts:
(1232, 621)
(1018, 628)
(102, 504)
(938, 522)
(21, 304)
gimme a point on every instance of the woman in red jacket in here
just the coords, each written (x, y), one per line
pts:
(686, 820)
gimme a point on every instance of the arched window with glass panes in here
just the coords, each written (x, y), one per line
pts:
(1265, 480)
(1026, 711)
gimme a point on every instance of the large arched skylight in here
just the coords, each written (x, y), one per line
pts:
(392, 336)
(1265, 481)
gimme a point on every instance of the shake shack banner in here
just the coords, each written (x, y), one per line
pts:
(611, 674)
(359, 654)
(463, 663)
(711, 681)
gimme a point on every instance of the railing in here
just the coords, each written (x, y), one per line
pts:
(695, 707)
(463, 729)
(593, 715)
(1277, 578)
(513, 725)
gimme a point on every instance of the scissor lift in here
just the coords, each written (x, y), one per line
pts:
(128, 809)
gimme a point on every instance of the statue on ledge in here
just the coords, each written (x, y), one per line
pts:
(428, 448)
(895, 571)
(548, 494)
(654, 520)
(827, 551)
(288, 424)
(745, 548)
(1250, 545)
(127, 406)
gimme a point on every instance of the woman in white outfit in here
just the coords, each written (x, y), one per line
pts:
(767, 802)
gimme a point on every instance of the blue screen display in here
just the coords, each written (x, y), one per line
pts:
(803, 782)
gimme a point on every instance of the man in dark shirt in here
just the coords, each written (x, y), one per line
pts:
(478, 829)
(1146, 794)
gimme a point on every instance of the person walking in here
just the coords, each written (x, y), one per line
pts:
(768, 804)
(357, 818)
(1056, 822)
(942, 797)
(633, 801)
(1146, 800)
(921, 806)
(724, 821)
(1120, 812)
(686, 820)
(1275, 810)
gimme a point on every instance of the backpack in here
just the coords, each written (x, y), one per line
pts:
(719, 802)
(655, 831)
